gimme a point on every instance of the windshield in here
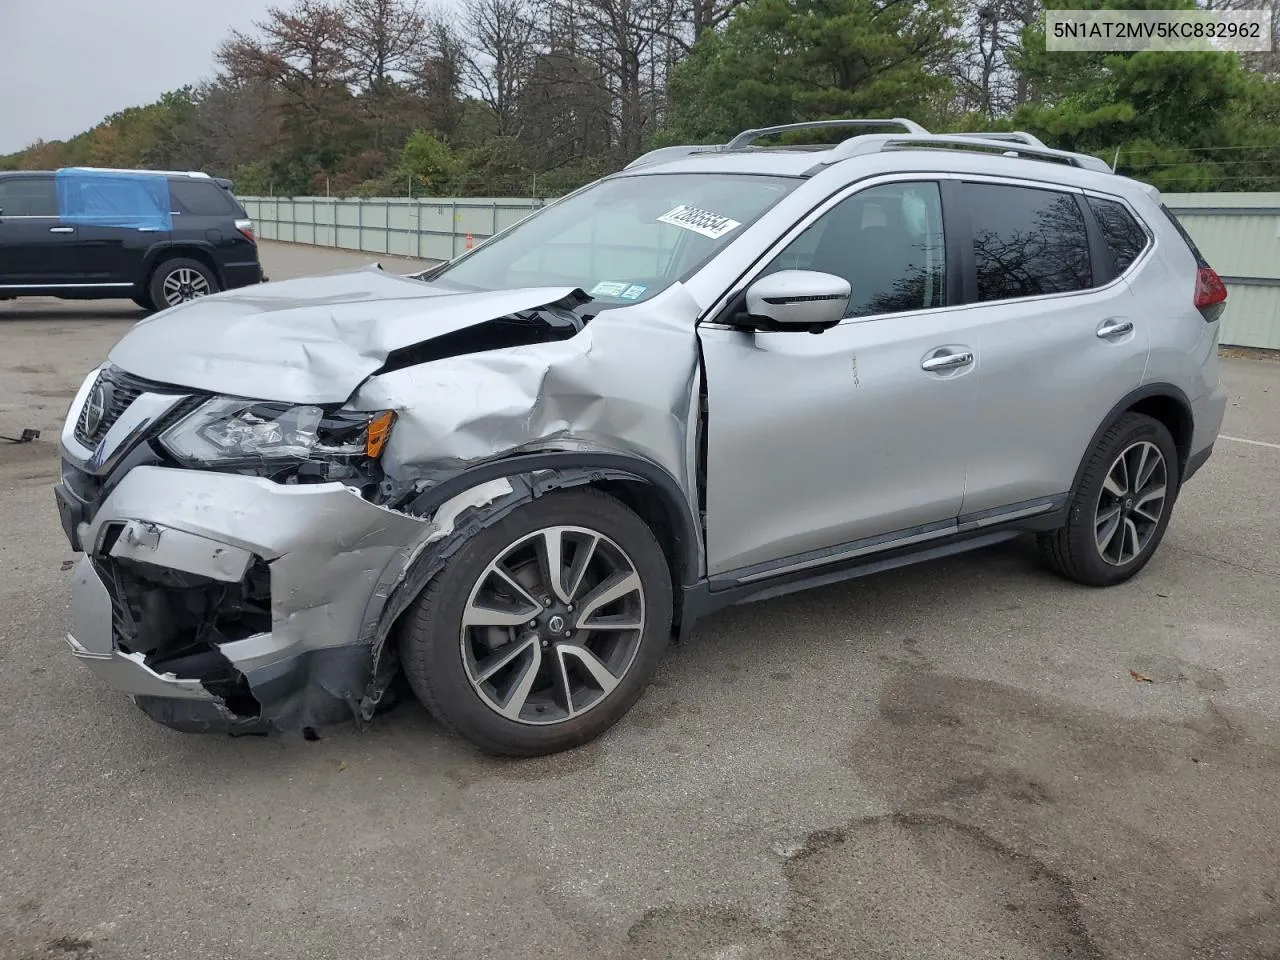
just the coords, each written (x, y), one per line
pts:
(622, 240)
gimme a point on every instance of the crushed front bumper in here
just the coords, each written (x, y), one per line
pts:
(224, 602)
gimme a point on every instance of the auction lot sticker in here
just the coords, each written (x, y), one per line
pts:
(699, 221)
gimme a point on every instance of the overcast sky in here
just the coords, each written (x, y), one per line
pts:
(66, 64)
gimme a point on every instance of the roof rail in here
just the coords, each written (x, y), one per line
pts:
(158, 173)
(671, 153)
(749, 136)
(878, 143)
(1018, 136)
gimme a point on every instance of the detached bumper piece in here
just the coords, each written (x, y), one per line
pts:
(161, 632)
(237, 604)
(156, 632)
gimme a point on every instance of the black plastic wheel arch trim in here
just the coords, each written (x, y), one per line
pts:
(1165, 391)
(586, 468)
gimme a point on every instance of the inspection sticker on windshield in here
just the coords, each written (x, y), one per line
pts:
(608, 288)
(699, 221)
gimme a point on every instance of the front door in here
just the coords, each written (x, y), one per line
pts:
(36, 248)
(855, 437)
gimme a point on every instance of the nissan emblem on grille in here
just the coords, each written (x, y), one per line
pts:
(112, 393)
(96, 407)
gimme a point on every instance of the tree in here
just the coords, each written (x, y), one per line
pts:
(630, 44)
(501, 42)
(988, 49)
(382, 40)
(303, 51)
(566, 108)
(428, 162)
(1178, 120)
(778, 62)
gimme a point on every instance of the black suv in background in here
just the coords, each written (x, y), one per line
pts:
(88, 234)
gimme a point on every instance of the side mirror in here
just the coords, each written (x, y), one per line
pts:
(798, 298)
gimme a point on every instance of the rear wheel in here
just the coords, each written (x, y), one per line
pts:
(544, 629)
(180, 280)
(1122, 506)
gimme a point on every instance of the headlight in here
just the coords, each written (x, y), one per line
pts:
(226, 432)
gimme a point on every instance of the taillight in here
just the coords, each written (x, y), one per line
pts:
(1211, 294)
(246, 228)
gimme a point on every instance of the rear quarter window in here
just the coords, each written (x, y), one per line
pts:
(1123, 234)
(196, 199)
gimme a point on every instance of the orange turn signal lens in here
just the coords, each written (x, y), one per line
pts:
(378, 434)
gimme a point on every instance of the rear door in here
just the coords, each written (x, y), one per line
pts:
(36, 248)
(116, 226)
(1062, 339)
(205, 213)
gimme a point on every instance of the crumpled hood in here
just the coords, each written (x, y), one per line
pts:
(310, 340)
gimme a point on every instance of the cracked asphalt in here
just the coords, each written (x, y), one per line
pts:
(968, 759)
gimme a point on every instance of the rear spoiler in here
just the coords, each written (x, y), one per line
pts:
(224, 183)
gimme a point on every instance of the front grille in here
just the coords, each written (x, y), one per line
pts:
(111, 395)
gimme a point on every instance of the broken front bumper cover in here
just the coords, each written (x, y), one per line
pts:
(165, 550)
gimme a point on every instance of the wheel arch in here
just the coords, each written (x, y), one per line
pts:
(1161, 401)
(643, 486)
(162, 253)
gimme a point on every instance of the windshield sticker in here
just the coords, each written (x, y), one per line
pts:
(633, 292)
(608, 288)
(699, 221)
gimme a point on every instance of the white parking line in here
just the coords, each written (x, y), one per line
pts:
(1252, 443)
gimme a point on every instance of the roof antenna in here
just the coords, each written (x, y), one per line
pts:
(1116, 160)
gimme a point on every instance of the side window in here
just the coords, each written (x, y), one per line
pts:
(887, 241)
(1123, 234)
(28, 197)
(1027, 242)
(199, 199)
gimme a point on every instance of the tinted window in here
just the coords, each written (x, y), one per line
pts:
(886, 241)
(1123, 234)
(28, 197)
(199, 199)
(1027, 242)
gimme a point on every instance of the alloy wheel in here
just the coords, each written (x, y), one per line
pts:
(184, 284)
(1131, 503)
(552, 625)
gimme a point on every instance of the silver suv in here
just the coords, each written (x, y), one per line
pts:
(725, 373)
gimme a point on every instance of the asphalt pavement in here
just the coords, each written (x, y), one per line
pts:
(966, 759)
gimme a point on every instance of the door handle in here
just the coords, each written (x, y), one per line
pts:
(148, 229)
(62, 229)
(947, 361)
(1114, 328)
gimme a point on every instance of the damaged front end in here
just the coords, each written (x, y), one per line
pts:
(257, 479)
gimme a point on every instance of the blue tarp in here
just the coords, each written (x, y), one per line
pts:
(106, 198)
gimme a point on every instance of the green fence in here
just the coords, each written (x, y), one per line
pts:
(428, 229)
(1239, 233)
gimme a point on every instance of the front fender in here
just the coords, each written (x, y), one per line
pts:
(478, 497)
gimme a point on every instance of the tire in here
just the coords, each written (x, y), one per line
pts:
(1082, 549)
(179, 280)
(144, 301)
(446, 660)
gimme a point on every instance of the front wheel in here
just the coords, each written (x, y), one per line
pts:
(545, 628)
(180, 280)
(1121, 507)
